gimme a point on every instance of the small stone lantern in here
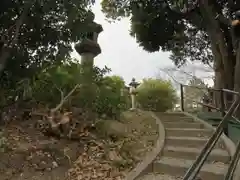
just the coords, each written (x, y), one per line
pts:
(133, 85)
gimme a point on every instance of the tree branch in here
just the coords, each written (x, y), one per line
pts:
(65, 98)
(7, 43)
(187, 12)
(64, 118)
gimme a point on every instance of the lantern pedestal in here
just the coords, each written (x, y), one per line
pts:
(133, 99)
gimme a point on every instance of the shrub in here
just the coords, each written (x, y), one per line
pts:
(111, 100)
(108, 99)
(156, 95)
(57, 80)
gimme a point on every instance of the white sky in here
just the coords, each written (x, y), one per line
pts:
(121, 53)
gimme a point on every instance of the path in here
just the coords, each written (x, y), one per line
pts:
(184, 141)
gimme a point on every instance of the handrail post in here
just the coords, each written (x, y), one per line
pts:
(182, 97)
(222, 103)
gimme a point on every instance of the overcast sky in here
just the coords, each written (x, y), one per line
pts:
(121, 53)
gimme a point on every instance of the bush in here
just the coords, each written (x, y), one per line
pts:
(108, 98)
(111, 100)
(51, 82)
(104, 98)
(156, 95)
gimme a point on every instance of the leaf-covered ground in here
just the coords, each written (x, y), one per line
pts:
(108, 152)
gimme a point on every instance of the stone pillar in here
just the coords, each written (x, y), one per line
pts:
(89, 48)
(133, 85)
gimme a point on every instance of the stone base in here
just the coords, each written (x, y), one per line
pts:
(133, 109)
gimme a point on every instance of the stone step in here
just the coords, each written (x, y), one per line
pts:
(186, 141)
(172, 114)
(193, 132)
(178, 167)
(159, 177)
(183, 125)
(176, 119)
(217, 155)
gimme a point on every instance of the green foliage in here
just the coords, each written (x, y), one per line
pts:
(178, 26)
(56, 81)
(112, 99)
(53, 82)
(156, 95)
(47, 30)
(49, 84)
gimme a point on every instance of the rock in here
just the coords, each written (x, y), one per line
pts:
(29, 158)
(112, 128)
(41, 166)
(126, 115)
(55, 164)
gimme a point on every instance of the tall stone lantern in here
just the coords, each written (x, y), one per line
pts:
(89, 48)
(133, 85)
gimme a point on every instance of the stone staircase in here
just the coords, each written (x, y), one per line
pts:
(185, 138)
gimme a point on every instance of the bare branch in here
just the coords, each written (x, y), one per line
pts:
(62, 94)
(62, 118)
(65, 99)
(170, 75)
(182, 76)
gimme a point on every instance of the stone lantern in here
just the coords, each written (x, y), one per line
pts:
(133, 85)
(89, 48)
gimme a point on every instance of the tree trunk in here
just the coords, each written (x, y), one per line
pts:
(8, 44)
(218, 70)
(237, 75)
(4, 55)
(221, 48)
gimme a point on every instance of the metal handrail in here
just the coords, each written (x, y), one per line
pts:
(208, 105)
(212, 89)
(233, 163)
(221, 109)
(197, 165)
(213, 107)
(230, 91)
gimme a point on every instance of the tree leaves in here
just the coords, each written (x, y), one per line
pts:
(174, 25)
(110, 100)
(47, 32)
